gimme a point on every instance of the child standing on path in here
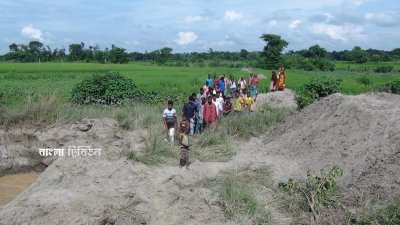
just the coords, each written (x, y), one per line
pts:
(184, 142)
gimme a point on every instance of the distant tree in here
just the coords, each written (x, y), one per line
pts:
(117, 55)
(13, 47)
(244, 54)
(358, 55)
(163, 55)
(76, 52)
(376, 58)
(315, 52)
(271, 55)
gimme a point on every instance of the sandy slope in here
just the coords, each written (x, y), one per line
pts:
(359, 133)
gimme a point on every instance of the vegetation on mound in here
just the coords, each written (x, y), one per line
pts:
(315, 89)
(390, 87)
(237, 194)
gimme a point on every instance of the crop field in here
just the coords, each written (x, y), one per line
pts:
(20, 80)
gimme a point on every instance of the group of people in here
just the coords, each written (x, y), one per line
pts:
(278, 80)
(213, 102)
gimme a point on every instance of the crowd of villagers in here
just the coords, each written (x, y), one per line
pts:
(213, 102)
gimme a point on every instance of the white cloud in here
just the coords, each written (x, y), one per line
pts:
(233, 15)
(294, 25)
(337, 32)
(383, 18)
(193, 19)
(185, 38)
(272, 23)
(31, 32)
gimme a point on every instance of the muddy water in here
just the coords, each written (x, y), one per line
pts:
(12, 185)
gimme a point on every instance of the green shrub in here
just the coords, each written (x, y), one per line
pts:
(110, 88)
(390, 87)
(322, 87)
(366, 81)
(315, 89)
(384, 69)
(316, 193)
(303, 98)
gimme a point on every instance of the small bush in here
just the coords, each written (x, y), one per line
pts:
(316, 193)
(364, 80)
(322, 87)
(303, 98)
(315, 89)
(110, 88)
(390, 87)
(384, 69)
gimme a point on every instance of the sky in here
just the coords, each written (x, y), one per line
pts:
(198, 25)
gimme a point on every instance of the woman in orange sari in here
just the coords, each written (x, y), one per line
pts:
(280, 85)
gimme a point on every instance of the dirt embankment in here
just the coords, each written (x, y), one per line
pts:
(361, 134)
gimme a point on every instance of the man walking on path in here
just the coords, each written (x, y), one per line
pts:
(170, 124)
(190, 111)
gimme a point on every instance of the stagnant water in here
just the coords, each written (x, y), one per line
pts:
(12, 185)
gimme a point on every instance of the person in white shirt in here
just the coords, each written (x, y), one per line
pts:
(169, 116)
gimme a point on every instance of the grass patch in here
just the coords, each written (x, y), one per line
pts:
(237, 194)
(156, 151)
(212, 146)
(387, 215)
(252, 125)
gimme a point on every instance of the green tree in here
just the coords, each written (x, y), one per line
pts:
(358, 55)
(244, 54)
(315, 52)
(163, 55)
(117, 55)
(76, 52)
(271, 55)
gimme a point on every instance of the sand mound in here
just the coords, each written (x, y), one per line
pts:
(360, 133)
(278, 99)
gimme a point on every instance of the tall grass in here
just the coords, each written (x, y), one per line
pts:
(237, 194)
(18, 80)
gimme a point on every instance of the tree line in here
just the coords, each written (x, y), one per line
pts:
(315, 57)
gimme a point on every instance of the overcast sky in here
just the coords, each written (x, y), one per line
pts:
(197, 25)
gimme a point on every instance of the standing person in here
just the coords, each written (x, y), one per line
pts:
(227, 85)
(200, 126)
(219, 103)
(281, 80)
(274, 79)
(200, 95)
(227, 106)
(197, 103)
(184, 142)
(248, 102)
(209, 80)
(254, 87)
(221, 85)
(209, 112)
(238, 103)
(170, 123)
(206, 87)
(215, 81)
(190, 111)
(242, 83)
(233, 85)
